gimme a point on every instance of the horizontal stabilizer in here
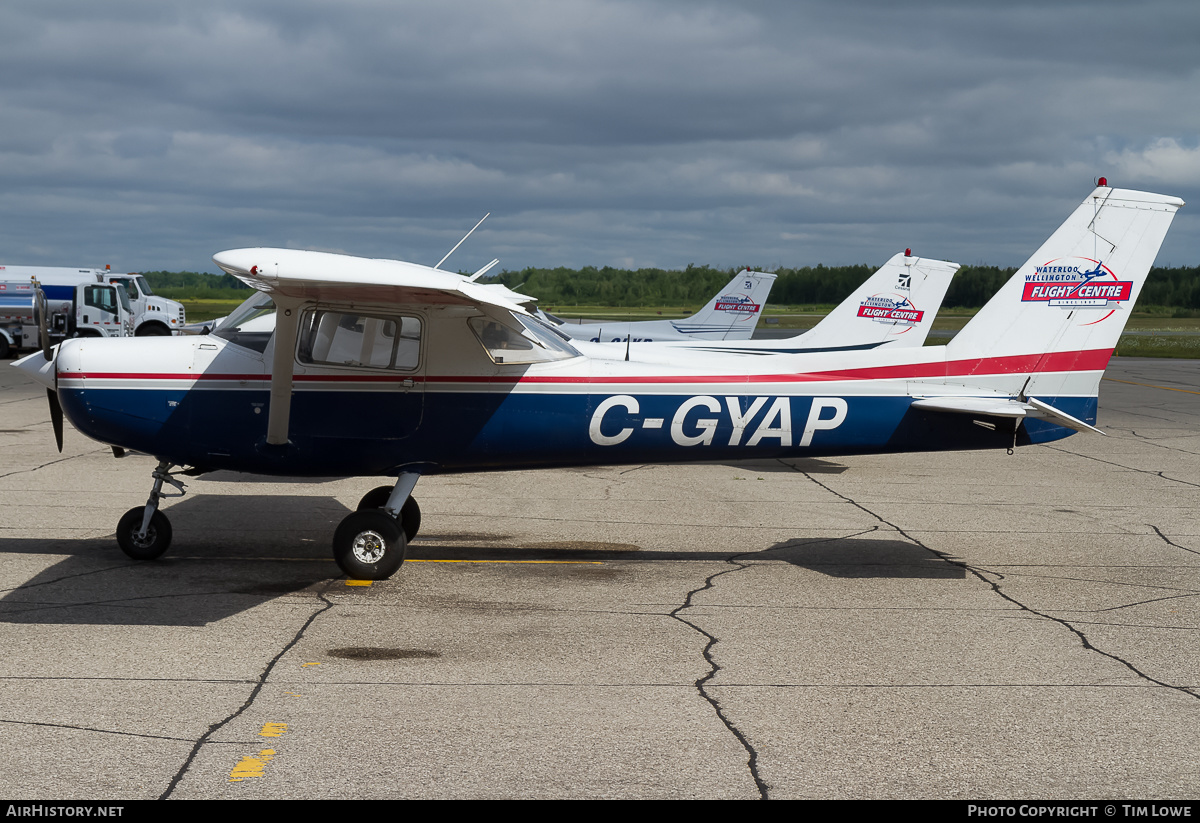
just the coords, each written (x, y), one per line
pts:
(1004, 407)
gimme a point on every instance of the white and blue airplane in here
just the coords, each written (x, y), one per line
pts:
(385, 368)
(732, 314)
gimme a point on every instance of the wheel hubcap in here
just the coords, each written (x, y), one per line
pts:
(368, 547)
(147, 541)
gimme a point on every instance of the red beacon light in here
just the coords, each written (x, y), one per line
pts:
(908, 252)
(1103, 181)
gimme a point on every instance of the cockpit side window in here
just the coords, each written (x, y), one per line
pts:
(251, 324)
(101, 297)
(339, 338)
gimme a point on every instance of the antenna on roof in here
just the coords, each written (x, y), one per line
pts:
(465, 236)
(484, 270)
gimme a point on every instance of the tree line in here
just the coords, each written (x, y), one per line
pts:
(1171, 288)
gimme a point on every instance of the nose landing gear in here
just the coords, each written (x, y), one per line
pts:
(144, 533)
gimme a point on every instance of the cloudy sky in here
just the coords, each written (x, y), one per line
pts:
(151, 135)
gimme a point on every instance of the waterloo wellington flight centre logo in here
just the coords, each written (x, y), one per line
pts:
(890, 308)
(737, 304)
(1075, 283)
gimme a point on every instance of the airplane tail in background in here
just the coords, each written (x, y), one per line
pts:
(734, 312)
(1064, 310)
(894, 306)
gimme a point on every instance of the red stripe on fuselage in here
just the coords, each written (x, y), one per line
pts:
(1092, 360)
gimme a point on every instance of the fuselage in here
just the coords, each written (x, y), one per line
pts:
(449, 406)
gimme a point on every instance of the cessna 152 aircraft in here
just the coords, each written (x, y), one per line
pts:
(376, 367)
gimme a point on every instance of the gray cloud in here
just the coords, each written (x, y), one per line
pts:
(152, 134)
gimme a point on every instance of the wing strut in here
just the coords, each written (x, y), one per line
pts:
(287, 323)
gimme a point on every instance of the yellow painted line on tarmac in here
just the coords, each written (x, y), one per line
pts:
(358, 582)
(273, 730)
(1150, 385)
(250, 766)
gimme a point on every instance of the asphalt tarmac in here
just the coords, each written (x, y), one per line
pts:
(967, 625)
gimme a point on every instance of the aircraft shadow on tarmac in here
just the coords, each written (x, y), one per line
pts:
(803, 465)
(229, 558)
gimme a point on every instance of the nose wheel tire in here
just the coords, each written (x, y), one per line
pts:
(150, 546)
(410, 513)
(369, 545)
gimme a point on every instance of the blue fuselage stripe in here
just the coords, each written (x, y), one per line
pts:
(375, 433)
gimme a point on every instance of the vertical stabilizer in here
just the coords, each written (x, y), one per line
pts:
(734, 312)
(1076, 292)
(894, 306)
(1055, 323)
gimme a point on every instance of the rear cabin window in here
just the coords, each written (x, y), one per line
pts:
(368, 341)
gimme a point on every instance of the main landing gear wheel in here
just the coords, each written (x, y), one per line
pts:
(149, 546)
(369, 545)
(410, 512)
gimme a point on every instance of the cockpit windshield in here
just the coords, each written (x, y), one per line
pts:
(535, 343)
(251, 324)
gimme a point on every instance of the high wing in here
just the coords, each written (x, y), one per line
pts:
(293, 275)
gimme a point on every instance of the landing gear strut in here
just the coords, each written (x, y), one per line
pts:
(370, 544)
(144, 532)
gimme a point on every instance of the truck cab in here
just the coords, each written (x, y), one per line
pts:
(154, 315)
(87, 310)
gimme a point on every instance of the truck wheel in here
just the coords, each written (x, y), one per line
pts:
(3, 347)
(152, 330)
(156, 541)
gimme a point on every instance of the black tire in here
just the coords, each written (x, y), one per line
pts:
(369, 545)
(4, 347)
(375, 498)
(410, 513)
(152, 330)
(156, 541)
(410, 518)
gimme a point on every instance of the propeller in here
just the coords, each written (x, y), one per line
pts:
(41, 315)
(56, 417)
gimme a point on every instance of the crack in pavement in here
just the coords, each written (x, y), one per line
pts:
(51, 463)
(72, 727)
(1168, 540)
(258, 687)
(701, 684)
(32, 585)
(995, 586)
(1119, 466)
